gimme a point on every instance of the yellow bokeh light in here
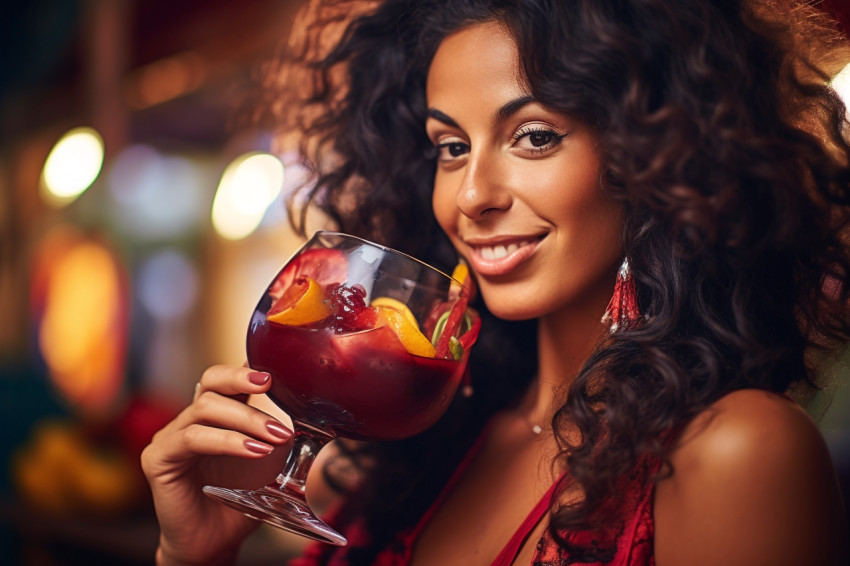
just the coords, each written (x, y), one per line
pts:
(80, 335)
(72, 165)
(250, 183)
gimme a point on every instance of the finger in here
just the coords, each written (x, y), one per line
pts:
(220, 431)
(215, 410)
(232, 381)
(179, 447)
(212, 441)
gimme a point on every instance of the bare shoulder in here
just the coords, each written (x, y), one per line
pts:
(752, 483)
(749, 427)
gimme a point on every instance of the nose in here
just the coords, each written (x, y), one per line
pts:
(482, 187)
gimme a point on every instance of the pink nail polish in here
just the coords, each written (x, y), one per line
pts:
(277, 430)
(258, 377)
(258, 447)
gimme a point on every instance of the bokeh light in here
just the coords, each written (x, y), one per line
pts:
(167, 285)
(72, 165)
(249, 184)
(156, 196)
(79, 300)
(165, 79)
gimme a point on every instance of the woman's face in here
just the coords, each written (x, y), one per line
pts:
(517, 185)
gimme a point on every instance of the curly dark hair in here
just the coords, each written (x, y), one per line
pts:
(719, 133)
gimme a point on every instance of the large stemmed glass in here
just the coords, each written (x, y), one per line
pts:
(362, 342)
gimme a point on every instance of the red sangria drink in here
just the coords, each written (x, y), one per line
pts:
(362, 342)
(324, 383)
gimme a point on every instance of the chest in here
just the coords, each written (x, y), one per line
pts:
(508, 475)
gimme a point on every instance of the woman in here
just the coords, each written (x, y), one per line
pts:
(696, 139)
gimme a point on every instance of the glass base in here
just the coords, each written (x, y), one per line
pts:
(278, 509)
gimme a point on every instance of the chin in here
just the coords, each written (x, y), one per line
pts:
(515, 309)
(512, 315)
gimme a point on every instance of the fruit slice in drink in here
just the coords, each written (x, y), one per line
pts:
(302, 303)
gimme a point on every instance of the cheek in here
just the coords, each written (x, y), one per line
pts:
(590, 225)
(570, 197)
(570, 188)
(443, 206)
(585, 211)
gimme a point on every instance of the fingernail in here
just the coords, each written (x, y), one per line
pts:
(258, 447)
(258, 377)
(278, 430)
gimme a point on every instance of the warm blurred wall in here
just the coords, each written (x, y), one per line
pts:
(165, 73)
(163, 82)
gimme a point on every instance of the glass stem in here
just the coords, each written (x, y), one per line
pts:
(306, 445)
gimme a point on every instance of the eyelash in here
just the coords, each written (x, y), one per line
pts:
(528, 131)
(523, 132)
(445, 145)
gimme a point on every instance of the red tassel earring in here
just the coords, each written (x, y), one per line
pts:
(622, 311)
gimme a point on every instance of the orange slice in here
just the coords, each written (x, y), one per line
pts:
(395, 304)
(460, 273)
(302, 303)
(407, 332)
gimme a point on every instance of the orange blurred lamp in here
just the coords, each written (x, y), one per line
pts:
(80, 299)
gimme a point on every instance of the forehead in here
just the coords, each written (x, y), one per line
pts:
(480, 60)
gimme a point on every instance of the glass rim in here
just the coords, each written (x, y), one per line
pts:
(319, 233)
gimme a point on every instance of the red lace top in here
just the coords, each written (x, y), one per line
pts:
(625, 541)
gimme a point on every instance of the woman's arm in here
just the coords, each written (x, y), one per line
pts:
(752, 484)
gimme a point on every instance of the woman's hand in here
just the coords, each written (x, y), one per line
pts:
(220, 440)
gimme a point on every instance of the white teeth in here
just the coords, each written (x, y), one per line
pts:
(500, 251)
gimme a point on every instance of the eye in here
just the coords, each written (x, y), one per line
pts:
(537, 138)
(451, 148)
(540, 139)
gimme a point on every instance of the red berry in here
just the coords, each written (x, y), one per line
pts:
(347, 304)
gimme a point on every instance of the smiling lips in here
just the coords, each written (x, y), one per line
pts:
(501, 258)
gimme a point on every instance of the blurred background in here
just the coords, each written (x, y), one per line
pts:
(140, 218)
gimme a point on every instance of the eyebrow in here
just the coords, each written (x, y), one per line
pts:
(444, 118)
(503, 113)
(510, 108)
